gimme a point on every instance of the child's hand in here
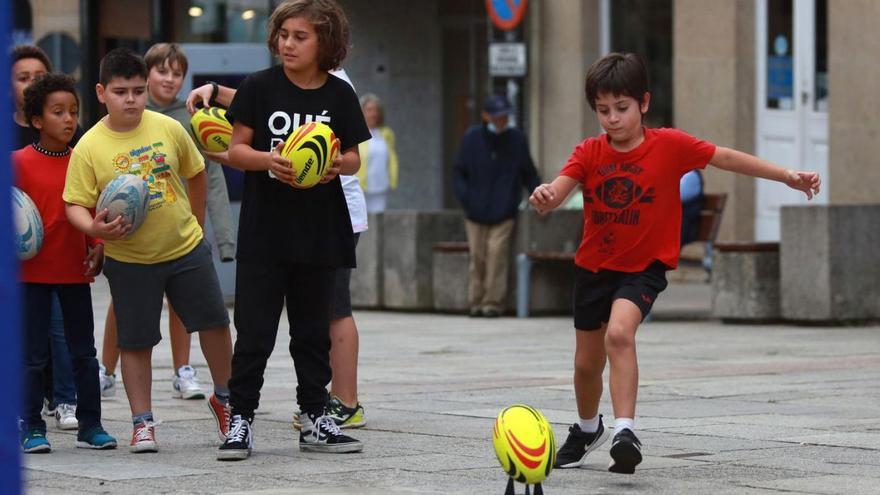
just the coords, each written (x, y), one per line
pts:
(94, 261)
(203, 94)
(280, 166)
(111, 231)
(808, 182)
(333, 171)
(541, 197)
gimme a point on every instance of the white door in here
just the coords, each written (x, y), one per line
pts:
(792, 96)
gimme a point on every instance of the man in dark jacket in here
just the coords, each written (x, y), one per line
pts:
(492, 168)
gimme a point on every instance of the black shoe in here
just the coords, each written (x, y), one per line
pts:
(476, 312)
(626, 452)
(491, 313)
(239, 440)
(578, 445)
(321, 434)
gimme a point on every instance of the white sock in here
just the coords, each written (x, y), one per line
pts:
(589, 425)
(624, 423)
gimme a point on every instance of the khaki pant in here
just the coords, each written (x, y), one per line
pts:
(489, 247)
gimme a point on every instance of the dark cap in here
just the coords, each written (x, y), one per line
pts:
(496, 106)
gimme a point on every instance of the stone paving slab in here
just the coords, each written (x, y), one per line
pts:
(723, 409)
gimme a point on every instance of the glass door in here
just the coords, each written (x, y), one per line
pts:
(792, 90)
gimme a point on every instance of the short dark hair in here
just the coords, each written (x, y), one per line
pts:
(160, 52)
(21, 52)
(620, 74)
(36, 94)
(121, 62)
(329, 21)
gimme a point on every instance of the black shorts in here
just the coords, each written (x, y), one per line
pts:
(595, 292)
(342, 291)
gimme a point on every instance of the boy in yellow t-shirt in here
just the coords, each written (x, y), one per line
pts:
(167, 254)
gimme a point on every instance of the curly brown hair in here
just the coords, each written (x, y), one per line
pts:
(36, 94)
(329, 21)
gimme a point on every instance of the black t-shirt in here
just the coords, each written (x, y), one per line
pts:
(278, 221)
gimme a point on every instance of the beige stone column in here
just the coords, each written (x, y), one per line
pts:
(563, 42)
(714, 88)
(854, 102)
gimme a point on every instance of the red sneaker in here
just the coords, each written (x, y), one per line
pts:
(220, 412)
(143, 438)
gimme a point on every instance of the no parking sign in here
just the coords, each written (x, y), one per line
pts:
(506, 14)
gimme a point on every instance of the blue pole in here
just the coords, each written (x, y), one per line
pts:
(10, 351)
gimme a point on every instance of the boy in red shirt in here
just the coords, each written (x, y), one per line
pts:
(65, 265)
(632, 221)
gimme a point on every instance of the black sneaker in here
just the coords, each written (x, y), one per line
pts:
(321, 434)
(578, 445)
(626, 452)
(239, 440)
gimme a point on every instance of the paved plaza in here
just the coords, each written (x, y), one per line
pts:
(723, 409)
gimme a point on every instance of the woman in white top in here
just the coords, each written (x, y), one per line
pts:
(378, 172)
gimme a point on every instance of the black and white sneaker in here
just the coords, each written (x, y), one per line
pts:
(239, 441)
(321, 434)
(626, 452)
(578, 445)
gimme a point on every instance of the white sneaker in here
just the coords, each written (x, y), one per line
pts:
(65, 417)
(186, 385)
(108, 382)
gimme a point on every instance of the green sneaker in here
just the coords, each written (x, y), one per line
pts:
(95, 438)
(35, 442)
(343, 416)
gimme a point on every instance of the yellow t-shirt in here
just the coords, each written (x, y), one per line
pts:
(160, 151)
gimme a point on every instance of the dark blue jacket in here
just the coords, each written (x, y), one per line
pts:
(491, 170)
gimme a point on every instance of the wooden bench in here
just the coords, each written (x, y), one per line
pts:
(710, 223)
(707, 232)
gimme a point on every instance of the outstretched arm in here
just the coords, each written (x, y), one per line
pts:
(744, 163)
(548, 196)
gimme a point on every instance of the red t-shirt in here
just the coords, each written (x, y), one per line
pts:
(60, 260)
(632, 201)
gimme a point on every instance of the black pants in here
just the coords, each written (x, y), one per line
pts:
(79, 330)
(261, 289)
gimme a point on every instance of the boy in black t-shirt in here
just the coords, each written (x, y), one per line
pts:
(291, 240)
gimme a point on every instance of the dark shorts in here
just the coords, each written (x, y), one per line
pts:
(342, 291)
(192, 287)
(595, 292)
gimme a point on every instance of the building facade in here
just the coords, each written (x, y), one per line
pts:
(789, 80)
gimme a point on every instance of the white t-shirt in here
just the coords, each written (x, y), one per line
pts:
(351, 186)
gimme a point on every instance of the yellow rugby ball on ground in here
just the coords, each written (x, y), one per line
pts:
(524, 443)
(211, 129)
(311, 148)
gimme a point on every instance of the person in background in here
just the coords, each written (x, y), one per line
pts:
(492, 168)
(691, 187)
(379, 167)
(28, 63)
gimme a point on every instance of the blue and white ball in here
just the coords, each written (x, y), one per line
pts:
(28, 225)
(127, 195)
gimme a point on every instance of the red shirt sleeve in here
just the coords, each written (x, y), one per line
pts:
(692, 152)
(577, 165)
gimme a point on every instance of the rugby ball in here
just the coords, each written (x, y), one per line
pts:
(127, 195)
(524, 443)
(211, 129)
(28, 225)
(311, 148)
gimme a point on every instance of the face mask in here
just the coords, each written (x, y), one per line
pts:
(493, 129)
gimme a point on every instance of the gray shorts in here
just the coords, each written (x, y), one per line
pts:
(190, 283)
(342, 290)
